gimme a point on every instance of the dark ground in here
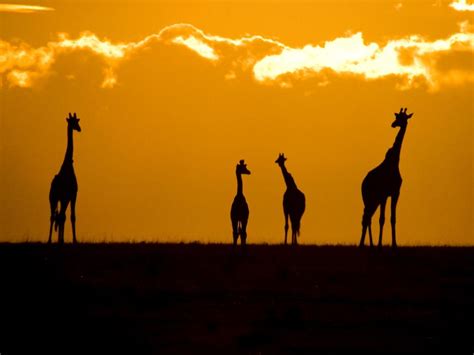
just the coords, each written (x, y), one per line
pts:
(185, 298)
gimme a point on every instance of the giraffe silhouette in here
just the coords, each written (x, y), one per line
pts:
(239, 212)
(64, 187)
(383, 182)
(293, 202)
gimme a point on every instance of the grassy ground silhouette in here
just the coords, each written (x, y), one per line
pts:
(192, 298)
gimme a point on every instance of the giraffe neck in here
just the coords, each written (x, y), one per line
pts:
(289, 181)
(240, 188)
(70, 147)
(397, 145)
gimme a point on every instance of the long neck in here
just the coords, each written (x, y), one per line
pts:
(397, 145)
(240, 187)
(289, 181)
(70, 147)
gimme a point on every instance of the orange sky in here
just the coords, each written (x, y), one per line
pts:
(171, 95)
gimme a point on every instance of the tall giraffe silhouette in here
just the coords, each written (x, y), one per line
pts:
(239, 212)
(64, 187)
(383, 182)
(293, 202)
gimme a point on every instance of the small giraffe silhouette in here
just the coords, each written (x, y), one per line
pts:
(293, 202)
(64, 187)
(383, 182)
(239, 212)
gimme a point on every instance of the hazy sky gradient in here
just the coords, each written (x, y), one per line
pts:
(156, 156)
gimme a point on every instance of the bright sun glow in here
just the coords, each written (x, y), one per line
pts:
(198, 46)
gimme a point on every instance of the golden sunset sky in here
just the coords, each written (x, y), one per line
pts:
(172, 94)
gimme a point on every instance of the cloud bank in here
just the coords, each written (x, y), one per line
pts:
(412, 60)
(23, 9)
(462, 5)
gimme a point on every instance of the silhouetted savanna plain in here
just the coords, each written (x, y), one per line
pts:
(213, 299)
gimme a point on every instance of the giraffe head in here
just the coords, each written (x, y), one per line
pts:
(73, 122)
(281, 159)
(401, 118)
(241, 168)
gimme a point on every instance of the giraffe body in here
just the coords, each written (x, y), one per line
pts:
(239, 212)
(64, 188)
(383, 182)
(294, 203)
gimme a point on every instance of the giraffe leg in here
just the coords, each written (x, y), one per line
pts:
(243, 233)
(381, 221)
(235, 231)
(294, 228)
(393, 219)
(61, 221)
(73, 219)
(51, 220)
(366, 221)
(364, 231)
(286, 227)
(370, 234)
(53, 205)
